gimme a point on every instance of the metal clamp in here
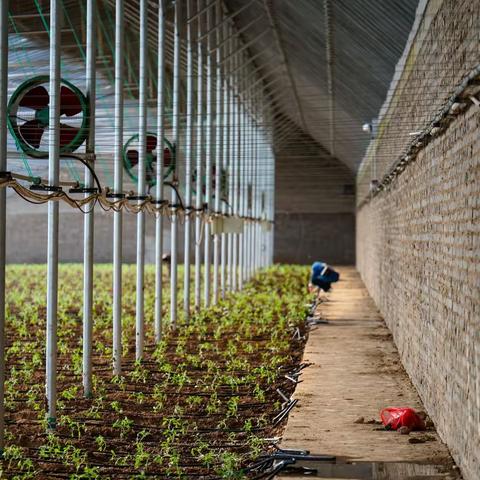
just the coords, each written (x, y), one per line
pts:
(46, 188)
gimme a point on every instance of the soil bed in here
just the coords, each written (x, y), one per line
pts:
(201, 404)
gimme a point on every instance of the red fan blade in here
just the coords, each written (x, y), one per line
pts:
(67, 134)
(32, 132)
(167, 157)
(69, 102)
(36, 98)
(151, 143)
(132, 156)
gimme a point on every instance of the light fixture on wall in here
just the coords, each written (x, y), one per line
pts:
(372, 128)
(367, 127)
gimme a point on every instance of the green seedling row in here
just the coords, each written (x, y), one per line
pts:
(200, 404)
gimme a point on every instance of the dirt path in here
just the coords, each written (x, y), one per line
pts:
(356, 373)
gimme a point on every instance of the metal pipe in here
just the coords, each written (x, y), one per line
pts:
(271, 215)
(233, 203)
(237, 33)
(218, 159)
(159, 171)
(253, 73)
(236, 200)
(273, 25)
(198, 183)
(188, 167)
(259, 179)
(330, 56)
(242, 184)
(244, 46)
(231, 165)
(226, 19)
(208, 162)
(247, 224)
(176, 143)
(250, 60)
(250, 244)
(118, 188)
(53, 213)
(3, 202)
(88, 220)
(275, 79)
(201, 11)
(225, 166)
(141, 184)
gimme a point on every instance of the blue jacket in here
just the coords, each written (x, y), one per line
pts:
(329, 275)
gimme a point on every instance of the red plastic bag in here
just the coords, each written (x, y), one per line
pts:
(393, 418)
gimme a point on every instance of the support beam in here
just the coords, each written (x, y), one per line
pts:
(237, 34)
(330, 55)
(176, 144)
(159, 171)
(141, 183)
(273, 25)
(88, 221)
(208, 161)
(243, 47)
(225, 166)
(218, 156)
(3, 203)
(198, 168)
(118, 189)
(53, 213)
(226, 19)
(188, 167)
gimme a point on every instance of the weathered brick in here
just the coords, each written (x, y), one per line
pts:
(418, 251)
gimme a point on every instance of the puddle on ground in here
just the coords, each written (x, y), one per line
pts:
(372, 471)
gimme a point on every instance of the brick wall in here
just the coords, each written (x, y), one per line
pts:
(443, 50)
(418, 251)
(418, 241)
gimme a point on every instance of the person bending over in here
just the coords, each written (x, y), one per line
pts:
(323, 276)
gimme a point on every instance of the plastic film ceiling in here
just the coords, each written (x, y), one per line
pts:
(365, 40)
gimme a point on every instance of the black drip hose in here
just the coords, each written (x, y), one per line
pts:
(86, 164)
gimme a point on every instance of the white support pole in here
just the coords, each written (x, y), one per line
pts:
(225, 166)
(247, 161)
(237, 133)
(271, 215)
(234, 125)
(218, 155)
(231, 162)
(198, 168)
(118, 190)
(263, 236)
(3, 203)
(141, 183)
(250, 244)
(241, 179)
(258, 181)
(208, 161)
(159, 171)
(88, 221)
(176, 143)
(256, 166)
(53, 213)
(258, 178)
(188, 167)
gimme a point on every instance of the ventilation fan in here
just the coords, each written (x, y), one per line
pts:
(28, 116)
(130, 158)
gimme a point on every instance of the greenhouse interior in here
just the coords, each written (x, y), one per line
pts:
(240, 239)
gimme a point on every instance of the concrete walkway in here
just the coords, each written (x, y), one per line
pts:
(356, 372)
